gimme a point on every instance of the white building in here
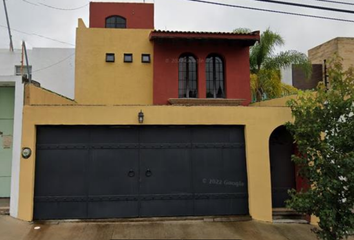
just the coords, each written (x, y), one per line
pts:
(54, 69)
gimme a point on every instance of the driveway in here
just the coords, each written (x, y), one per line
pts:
(12, 229)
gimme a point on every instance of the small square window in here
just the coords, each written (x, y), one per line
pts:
(109, 57)
(145, 58)
(128, 57)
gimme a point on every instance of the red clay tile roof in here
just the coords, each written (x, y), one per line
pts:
(251, 37)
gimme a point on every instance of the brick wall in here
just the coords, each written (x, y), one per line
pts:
(344, 47)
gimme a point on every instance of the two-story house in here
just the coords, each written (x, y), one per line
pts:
(160, 126)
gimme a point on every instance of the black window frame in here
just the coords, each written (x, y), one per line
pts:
(117, 22)
(110, 55)
(215, 76)
(128, 55)
(185, 73)
(145, 55)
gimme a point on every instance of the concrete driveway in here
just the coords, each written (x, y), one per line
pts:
(12, 229)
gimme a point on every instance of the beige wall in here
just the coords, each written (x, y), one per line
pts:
(37, 95)
(100, 83)
(346, 51)
(259, 123)
(344, 47)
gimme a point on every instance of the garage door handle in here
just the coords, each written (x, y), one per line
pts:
(148, 173)
(131, 173)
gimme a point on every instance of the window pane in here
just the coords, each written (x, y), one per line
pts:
(215, 77)
(128, 57)
(24, 70)
(187, 68)
(145, 58)
(115, 22)
(110, 57)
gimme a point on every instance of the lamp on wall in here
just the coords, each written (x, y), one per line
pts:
(141, 116)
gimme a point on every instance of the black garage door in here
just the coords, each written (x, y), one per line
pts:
(139, 171)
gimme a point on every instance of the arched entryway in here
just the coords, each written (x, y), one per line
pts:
(283, 177)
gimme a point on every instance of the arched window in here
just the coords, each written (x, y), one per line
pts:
(187, 78)
(116, 22)
(215, 83)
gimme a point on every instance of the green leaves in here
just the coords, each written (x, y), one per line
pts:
(324, 133)
(265, 66)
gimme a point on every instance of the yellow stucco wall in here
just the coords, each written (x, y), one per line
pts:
(101, 83)
(259, 123)
(277, 102)
(342, 46)
(37, 95)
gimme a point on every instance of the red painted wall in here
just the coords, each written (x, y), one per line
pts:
(236, 62)
(138, 15)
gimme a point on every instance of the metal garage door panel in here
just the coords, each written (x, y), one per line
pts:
(168, 191)
(166, 178)
(60, 186)
(108, 172)
(114, 172)
(219, 171)
(113, 134)
(113, 183)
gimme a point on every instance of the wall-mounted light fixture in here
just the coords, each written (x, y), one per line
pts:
(141, 117)
(26, 153)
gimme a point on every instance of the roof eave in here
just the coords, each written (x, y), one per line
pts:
(251, 37)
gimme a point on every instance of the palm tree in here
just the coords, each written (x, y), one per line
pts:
(265, 66)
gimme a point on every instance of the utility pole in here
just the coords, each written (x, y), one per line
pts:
(8, 27)
(27, 64)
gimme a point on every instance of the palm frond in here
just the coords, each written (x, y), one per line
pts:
(286, 59)
(264, 49)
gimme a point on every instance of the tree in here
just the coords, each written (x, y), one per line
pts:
(323, 131)
(266, 65)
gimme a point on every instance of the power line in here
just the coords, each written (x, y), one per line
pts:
(63, 9)
(38, 35)
(53, 7)
(337, 2)
(272, 11)
(306, 6)
(41, 69)
(30, 2)
(54, 64)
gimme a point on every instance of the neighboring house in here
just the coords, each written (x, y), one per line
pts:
(296, 77)
(342, 46)
(161, 125)
(54, 70)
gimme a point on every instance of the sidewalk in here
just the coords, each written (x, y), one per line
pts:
(12, 229)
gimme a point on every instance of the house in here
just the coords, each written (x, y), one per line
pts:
(343, 46)
(54, 70)
(160, 125)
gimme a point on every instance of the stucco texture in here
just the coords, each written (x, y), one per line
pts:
(101, 82)
(259, 123)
